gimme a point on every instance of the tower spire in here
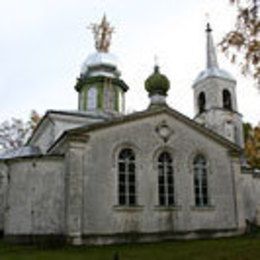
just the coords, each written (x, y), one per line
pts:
(211, 51)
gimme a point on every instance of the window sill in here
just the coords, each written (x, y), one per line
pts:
(167, 208)
(128, 208)
(203, 208)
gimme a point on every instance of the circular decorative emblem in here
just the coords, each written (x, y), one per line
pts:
(164, 131)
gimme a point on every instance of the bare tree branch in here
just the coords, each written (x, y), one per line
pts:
(14, 133)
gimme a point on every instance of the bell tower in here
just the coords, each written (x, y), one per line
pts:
(215, 97)
(100, 89)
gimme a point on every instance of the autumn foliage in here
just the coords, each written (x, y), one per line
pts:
(242, 44)
(252, 145)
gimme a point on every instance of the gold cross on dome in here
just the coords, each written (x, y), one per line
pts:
(102, 35)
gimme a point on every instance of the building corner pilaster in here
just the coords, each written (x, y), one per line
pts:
(74, 190)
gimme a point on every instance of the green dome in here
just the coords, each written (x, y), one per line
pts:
(157, 83)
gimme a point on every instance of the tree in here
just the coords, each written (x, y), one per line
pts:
(14, 133)
(247, 129)
(252, 145)
(242, 44)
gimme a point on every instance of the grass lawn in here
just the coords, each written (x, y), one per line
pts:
(246, 248)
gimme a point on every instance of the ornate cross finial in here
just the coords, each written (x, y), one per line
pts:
(102, 35)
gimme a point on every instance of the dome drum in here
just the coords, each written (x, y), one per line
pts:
(82, 81)
(101, 70)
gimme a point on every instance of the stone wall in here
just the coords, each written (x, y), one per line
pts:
(251, 196)
(103, 215)
(3, 186)
(256, 181)
(35, 197)
(36, 194)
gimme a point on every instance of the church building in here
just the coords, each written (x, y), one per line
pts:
(96, 175)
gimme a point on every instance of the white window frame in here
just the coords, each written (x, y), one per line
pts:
(126, 169)
(200, 181)
(166, 189)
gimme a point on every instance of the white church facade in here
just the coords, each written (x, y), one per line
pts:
(98, 176)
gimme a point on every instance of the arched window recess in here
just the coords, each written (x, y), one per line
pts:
(126, 178)
(165, 180)
(202, 102)
(227, 101)
(200, 170)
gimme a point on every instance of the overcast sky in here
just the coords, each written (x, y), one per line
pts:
(43, 44)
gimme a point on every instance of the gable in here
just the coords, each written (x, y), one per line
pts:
(153, 118)
(54, 123)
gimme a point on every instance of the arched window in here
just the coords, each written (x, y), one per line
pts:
(202, 102)
(227, 102)
(92, 98)
(165, 180)
(200, 181)
(126, 177)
